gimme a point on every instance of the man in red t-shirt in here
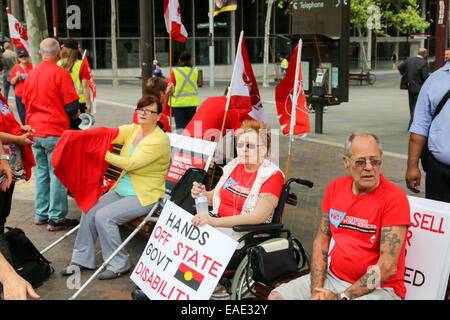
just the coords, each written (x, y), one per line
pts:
(50, 99)
(17, 78)
(359, 250)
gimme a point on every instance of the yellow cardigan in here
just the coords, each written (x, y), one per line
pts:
(147, 166)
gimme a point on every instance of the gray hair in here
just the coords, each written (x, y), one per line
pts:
(49, 47)
(348, 143)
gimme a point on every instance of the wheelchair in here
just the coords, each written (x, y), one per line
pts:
(236, 282)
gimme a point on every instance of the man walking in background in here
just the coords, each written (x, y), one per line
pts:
(416, 69)
(9, 60)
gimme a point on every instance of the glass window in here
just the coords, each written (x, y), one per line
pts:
(62, 16)
(128, 15)
(102, 11)
(103, 54)
(128, 53)
(160, 25)
(282, 20)
(84, 10)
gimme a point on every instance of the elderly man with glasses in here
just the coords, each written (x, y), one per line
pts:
(359, 249)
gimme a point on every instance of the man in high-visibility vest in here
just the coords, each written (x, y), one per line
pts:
(184, 101)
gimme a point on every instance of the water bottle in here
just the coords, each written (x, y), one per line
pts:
(201, 203)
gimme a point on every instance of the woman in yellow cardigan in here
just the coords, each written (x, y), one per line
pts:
(144, 158)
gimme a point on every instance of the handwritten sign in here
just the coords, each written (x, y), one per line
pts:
(180, 261)
(427, 263)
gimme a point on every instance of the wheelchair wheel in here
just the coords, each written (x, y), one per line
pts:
(239, 289)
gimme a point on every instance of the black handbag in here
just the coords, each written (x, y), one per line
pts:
(25, 258)
(275, 260)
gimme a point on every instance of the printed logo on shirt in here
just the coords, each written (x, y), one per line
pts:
(229, 183)
(4, 108)
(336, 217)
(358, 224)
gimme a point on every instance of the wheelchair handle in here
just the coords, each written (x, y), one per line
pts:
(304, 182)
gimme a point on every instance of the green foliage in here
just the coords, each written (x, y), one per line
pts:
(403, 15)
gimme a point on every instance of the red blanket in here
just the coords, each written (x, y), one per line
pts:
(79, 163)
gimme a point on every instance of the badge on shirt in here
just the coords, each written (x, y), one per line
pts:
(336, 217)
(4, 108)
(229, 183)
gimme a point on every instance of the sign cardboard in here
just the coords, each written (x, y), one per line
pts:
(427, 263)
(180, 261)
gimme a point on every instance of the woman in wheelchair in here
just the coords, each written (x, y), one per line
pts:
(250, 187)
(144, 160)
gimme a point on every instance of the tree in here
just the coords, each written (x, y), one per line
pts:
(379, 15)
(36, 24)
(115, 81)
(281, 4)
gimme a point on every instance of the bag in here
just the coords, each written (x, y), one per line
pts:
(181, 193)
(28, 262)
(275, 260)
(404, 82)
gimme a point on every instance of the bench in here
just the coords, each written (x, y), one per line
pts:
(179, 144)
(368, 77)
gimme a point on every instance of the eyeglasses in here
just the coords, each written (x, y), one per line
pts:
(361, 163)
(146, 111)
(250, 146)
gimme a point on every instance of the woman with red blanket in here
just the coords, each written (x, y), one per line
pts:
(17, 142)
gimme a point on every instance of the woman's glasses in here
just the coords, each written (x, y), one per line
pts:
(145, 111)
(250, 146)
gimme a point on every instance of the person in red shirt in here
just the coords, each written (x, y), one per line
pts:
(359, 250)
(17, 78)
(250, 187)
(50, 101)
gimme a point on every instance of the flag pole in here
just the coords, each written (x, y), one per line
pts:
(293, 114)
(170, 66)
(294, 107)
(227, 105)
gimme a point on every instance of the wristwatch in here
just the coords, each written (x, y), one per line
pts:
(5, 157)
(344, 296)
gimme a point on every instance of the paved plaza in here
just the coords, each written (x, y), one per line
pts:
(381, 108)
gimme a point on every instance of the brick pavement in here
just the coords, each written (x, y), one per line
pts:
(313, 159)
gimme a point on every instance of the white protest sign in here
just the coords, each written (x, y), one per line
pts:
(180, 261)
(427, 263)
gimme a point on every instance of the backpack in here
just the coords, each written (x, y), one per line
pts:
(28, 262)
(181, 193)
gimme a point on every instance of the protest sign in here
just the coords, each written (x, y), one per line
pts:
(427, 262)
(180, 261)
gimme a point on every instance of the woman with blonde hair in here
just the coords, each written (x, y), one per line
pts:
(250, 187)
(71, 61)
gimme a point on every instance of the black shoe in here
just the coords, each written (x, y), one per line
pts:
(65, 224)
(138, 294)
(72, 269)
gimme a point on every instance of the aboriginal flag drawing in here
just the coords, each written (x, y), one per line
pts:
(189, 276)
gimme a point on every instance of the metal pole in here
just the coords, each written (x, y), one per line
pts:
(60, 239)
(146, 26)
(211, 43)
(55, 18)
(123, 244)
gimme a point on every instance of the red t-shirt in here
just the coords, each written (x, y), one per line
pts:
(356, 222)
(237, 188)
(84, 72)
(47, 90)
(18, 88)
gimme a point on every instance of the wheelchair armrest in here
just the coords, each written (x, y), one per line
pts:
(258, 227)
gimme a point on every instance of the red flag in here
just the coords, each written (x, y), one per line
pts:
(244, 89)
(17, 33)
(284, 96)
(172, 17)
(91, 83)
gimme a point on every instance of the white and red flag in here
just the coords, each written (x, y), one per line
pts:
(174, 24)
(91, 82)
(290, 92)
(244, 93)
(17, 33)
